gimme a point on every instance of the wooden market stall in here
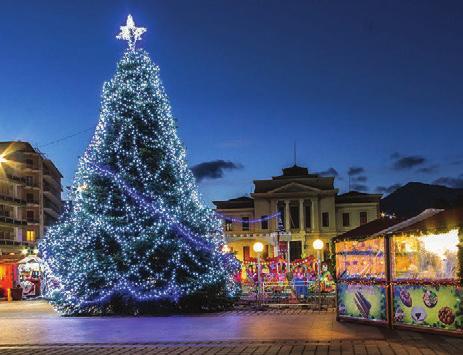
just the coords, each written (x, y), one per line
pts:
(405, 275)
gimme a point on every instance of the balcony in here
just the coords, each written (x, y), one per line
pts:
(52, 180)
(52, 194)
(8, 200)
(16, 179)
(31, 185)
(8, 221)
(32, 221)
(50, 211)
(32, 203)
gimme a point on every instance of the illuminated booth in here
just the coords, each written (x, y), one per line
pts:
(403, 273)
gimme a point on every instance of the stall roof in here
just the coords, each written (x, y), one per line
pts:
(428, 220)
(405, 224)
(441, 221)
(369, 229)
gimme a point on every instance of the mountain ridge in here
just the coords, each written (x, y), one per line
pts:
(414, 197)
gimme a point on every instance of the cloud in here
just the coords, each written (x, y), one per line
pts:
(387, 189)
(213, 169)
(450, 181)
(358, 187)
(329, 172)
(407, 162)
(355, 170)
(360, 178)
(428, 169)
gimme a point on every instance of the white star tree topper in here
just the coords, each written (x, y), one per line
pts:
(131, 33)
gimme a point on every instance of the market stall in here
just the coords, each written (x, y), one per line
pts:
(404, 274)
(361, 276)
(30, 276)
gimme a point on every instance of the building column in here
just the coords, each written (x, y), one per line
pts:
(315, 215)
(273, 209)
(287, 216)
(301, 215)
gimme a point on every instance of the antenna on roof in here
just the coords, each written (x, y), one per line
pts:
(295, 154)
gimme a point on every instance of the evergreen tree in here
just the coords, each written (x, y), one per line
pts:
(136, 235)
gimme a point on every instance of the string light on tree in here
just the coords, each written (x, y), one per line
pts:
(136, 232)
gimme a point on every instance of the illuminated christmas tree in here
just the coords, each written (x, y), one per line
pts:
(136, 236)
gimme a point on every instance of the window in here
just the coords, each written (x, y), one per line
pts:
(29, 162)
(245, 224)
(308, 217)
(281, 209)
(346, 219)
(29, 181)
(228, 225)
(30, 235)
(363, 217)
(6, 234)
(30, 216)
(246, 252)
(325, 219)
(30, 197)
(264, 222)
(294, 216)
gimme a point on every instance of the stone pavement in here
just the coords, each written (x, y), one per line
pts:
(34, 328)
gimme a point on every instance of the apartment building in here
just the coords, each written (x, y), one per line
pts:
(310, 208)
(30, 198)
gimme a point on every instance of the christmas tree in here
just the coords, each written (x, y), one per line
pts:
(136, 236)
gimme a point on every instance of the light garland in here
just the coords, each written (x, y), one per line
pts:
(250, 221)
(136, 226)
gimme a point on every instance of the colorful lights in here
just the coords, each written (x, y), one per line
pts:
(250, 221)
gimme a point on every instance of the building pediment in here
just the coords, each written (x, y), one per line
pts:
(294, 187)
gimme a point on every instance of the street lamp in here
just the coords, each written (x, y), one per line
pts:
(2, 159)
(318, 246)
(258, 248)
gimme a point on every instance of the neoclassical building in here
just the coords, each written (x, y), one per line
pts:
(310, 208)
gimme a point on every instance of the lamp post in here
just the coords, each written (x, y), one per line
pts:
(318, 246)
(258, 248)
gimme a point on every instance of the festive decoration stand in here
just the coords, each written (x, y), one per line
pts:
(30, 276)
(403, 274)
(282, 285)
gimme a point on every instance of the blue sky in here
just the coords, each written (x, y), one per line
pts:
(374, 85)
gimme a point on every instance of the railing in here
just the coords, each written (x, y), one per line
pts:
(33, 221)
(11, 242)
(52, 206)
(295, 292)
(12, 199)
(48, 188)
(9, 220)
(16, 178)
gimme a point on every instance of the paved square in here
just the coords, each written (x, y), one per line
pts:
(34, 328)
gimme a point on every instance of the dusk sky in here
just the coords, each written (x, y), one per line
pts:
(370, 87)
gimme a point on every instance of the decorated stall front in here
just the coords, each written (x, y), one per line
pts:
(407, 275)
(283, 282)
(361, 276)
